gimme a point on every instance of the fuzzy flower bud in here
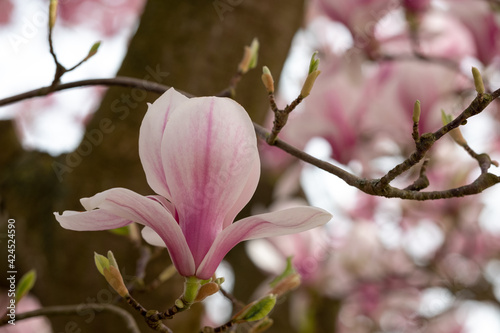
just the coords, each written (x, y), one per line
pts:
(478, 80)
(257, 309)
(416, 111)
(250, 57)
(267, 79)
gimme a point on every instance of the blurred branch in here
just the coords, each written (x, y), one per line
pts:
(75, 310)
(417, 56)
(377, 187)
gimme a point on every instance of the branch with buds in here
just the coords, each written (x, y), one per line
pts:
(281, 115)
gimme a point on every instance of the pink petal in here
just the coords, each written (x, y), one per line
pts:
(209, 154)
(130, 206)
(245, 196)
(150, 137)
(91, 220)
(279, 223)
(152, 237)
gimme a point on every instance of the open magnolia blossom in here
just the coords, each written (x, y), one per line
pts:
(200, 157)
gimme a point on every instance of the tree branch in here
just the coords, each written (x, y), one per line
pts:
(378, 187)
(75, 309)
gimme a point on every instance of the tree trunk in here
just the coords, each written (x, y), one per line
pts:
(199, 44)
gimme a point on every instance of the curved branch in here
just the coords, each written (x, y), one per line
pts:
(119, 81)
(378, 187)
(75, 309)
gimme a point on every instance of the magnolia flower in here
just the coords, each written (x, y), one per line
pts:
(200, 156)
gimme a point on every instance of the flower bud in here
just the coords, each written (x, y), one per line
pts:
(115, 280)
(478, 80)
(287, 284)
(250, 57)
(52, 13)
(25, 284)
(108, 267)
(207, 290)
(416, 111)
(267, 79)
(93, 50)
(308, 85)
(257, 309)
(314, 63)
(455, 133)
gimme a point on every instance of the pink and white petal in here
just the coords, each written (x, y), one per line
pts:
(152, 237)
(134, 207)
(245, 196)
(90, 220)
(278, 223)
(165, 203)
(150, 137)
(209, 150)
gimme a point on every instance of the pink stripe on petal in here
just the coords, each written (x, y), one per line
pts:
(209, 152)
(246, 194)
(279, 223)
(150, 137)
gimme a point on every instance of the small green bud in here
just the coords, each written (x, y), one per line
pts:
(220, 280)
(250, 57)
(289, 270)
(52, 13)
(254, 48)
(308, 85)
(287, 284)
(112, 260)
(267, 79)
(257, 309)
(93, 50)
(314, 64)
(416, 111)
(478, 80)
(455, 133)
(445, 118)
(179, 303)
(101, 262)
(25, 284)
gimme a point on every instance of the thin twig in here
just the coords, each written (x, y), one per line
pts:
(65, 310)
(238, 305)
(370, 186)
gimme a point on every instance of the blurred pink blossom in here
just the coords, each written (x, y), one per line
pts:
(440, 34)
(6, 8)
(483, 23)
(107, 16)
(359, 16)
(416, 6)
